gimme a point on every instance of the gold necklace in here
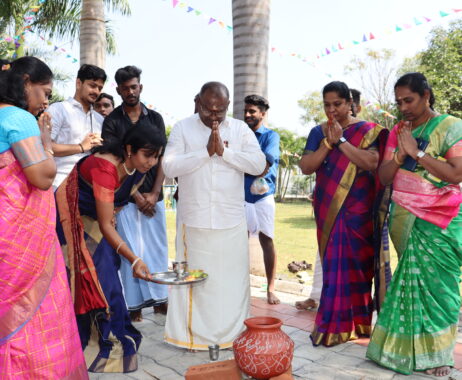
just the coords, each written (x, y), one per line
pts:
(425, 126)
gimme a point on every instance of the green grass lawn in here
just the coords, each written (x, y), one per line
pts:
(295, 235)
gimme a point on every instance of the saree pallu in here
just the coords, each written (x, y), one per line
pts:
(34, 294)
(417, 327)
(346, 205)
(109, 340)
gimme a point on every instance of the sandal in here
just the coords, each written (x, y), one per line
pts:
(293, 267)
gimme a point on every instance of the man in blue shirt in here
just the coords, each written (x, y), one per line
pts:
(260, 208)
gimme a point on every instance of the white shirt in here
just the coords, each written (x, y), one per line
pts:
(211, 189)
(70, 124)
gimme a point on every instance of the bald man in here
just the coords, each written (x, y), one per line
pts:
(209, 153)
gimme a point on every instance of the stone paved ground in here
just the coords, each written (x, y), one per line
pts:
(158, 360)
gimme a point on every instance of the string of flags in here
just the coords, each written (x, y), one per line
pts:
(366, 37)
(181, 5)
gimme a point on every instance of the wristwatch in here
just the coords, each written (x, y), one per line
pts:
(341, 140)
(419, 155)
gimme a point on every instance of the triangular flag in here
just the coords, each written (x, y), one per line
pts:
(229, 27)
(211, 20)
(456, 10)
(407, 26)
(68, 56)
(327, 51)
(182, 5)
(371, 36)
(56, 48)
(340, 46)
(322, 54)
(427, 19)
(355, 42)
(334, 49)
(364, 38)
(49, 43)
(416, 21)
(273, 49)
(175, 3)
(74, 60)
(443, 14)
(190, 9)
(197, 13)
(398, 29)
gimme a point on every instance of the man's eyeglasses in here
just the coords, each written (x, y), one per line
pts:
(208, 113)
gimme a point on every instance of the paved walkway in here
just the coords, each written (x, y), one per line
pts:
(158, 360)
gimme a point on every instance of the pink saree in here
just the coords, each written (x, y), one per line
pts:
(38, 331)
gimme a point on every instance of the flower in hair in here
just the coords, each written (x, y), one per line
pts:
(6, 67)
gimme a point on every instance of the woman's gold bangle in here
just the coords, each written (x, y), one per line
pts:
(398, 162)
(327, 144)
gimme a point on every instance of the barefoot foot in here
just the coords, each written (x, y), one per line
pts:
(161, 309)
(136, 316)
(272, 298)
(306, 305)
(439, 371)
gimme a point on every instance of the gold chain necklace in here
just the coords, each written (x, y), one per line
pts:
(425, 126)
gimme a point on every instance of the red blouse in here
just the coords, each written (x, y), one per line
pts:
(102, 175)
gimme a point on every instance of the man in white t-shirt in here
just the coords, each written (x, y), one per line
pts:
(76, 126)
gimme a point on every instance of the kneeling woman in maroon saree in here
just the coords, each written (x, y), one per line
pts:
(87, 201)
(345, 153)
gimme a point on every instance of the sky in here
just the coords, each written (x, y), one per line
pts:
(179, 51)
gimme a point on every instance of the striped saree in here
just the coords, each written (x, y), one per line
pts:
(417, 327)
(38, 331)
(350, 222)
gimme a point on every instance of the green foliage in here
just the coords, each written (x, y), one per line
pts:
(441, 63)
(291, 148)
(313, 107)
(168, 129)
(56, 18)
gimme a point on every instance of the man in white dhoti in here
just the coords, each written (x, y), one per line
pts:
(209, 153)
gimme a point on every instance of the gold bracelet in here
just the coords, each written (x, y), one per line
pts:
(327, 144)
(398, 162)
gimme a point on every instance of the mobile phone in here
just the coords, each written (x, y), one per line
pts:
(411, 164)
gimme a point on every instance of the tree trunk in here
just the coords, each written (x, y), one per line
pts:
(250, 36)
(93, 33)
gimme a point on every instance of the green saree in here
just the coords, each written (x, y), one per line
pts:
(417, 326)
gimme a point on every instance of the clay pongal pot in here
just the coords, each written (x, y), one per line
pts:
(263, 350)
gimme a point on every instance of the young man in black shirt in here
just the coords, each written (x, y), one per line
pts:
(142, 221)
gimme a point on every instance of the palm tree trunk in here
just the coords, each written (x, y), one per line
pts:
(93, 33)
(250, 35)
